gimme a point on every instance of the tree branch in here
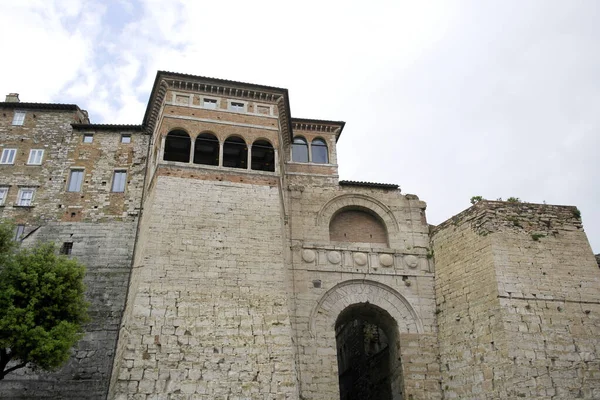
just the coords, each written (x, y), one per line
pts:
(11, 369)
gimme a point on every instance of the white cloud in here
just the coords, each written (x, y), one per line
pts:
(448, 99)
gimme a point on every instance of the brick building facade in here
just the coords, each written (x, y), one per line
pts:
(226, 260)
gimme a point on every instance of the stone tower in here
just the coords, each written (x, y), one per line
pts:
(251, 256)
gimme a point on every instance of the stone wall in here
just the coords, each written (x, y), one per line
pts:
(330, 277)
(99, 223)
(208, 307)
(523, 279)
(106, 250)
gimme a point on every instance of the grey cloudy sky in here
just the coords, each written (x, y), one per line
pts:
(449, 99)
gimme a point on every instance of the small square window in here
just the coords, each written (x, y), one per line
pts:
(8, 156)
(235, 106)
(35, 157)
(67, 248)
(18, 118)
(75, 180)
(25, 197)
(3, 194)
(125, 138)
(88, 138)
(119, 181)
(210, 103)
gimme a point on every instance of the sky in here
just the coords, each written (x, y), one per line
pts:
(448, 99)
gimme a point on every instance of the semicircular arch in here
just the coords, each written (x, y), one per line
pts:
(356, 291)
(358, 201)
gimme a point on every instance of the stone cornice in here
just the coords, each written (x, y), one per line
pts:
(221, 89)
(165, 80)
(317, 125)
(155, 102)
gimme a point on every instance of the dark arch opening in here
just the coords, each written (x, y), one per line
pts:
(235, 153)
(177, 146)
(354, 224)
(263, 156)
(206, 149)
(300, 150)
(367, 344)
(319, 152)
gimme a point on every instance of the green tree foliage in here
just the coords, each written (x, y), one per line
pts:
(42, 305)
(476, 199)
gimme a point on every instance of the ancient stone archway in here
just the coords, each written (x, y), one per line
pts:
(344, 314)
(344, 294)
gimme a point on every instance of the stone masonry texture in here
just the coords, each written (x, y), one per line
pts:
(213, 282)
(518, 300)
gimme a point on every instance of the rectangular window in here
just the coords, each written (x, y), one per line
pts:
(25, 197)
(119, 180)
(234, 106)
(19, 118)
(35, 157)
(8, 156)
(125, 138)
(210, 103)
(88, 138)
(66, 248)
(75, 180)
(3, 194)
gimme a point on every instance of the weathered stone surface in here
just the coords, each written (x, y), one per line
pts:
(517, 289)
(238, 283)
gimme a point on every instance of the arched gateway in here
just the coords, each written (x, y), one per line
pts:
(363, 321)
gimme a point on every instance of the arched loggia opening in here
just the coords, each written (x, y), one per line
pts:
(263, 156)
(367, 344)
(206, 149)
(177, 146)
(235, 153)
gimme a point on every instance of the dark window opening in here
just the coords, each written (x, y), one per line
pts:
(206, 149)
(177, 147)
(263, 156)
(300, 150)
(368, 363)
(319, 152)
(235, 153)
(67, 248)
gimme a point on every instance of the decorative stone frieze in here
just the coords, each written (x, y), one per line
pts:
(334, 257)
(360, 259)
(386, 260)
(411, 261)
(308, 255)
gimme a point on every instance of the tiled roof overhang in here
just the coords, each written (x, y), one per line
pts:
(109, 127)
(40, 106)
(386, 186)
